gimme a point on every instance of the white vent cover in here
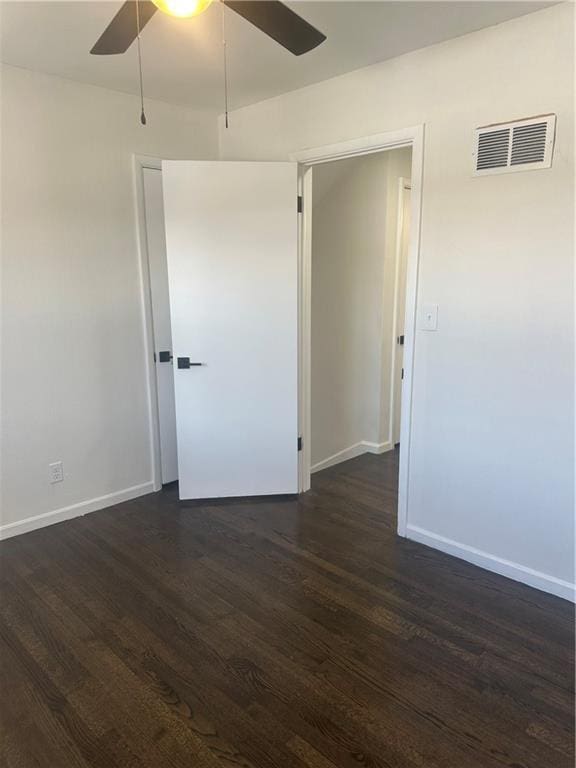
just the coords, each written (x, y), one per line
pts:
(519, 146)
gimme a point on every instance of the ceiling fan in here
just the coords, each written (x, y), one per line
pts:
(271, 16)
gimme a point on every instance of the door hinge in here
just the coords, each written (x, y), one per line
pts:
(402, 373)
(300, 204)
(299, 443)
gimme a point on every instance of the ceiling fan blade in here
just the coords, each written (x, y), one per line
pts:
(121, 32)
(280, 23)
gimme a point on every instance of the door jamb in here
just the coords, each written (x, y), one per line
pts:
(140, 162)
(407, 137)
(403, 186)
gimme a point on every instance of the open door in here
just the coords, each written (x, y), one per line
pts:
(402, 256)
(231, 240)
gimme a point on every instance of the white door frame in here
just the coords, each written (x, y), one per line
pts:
(404, 186)
(407, 137)
(139, 163)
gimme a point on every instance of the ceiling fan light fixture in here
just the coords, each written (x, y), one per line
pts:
(272, 17)
(182, 8)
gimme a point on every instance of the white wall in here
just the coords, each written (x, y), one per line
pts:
(492, 459)
(73, 374)
(353, 259)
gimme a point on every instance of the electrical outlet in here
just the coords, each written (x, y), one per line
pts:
(56, 471)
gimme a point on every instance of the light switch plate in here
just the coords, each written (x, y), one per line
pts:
(429, 317)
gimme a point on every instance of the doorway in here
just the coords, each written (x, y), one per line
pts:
(309, 160)
(360, 227)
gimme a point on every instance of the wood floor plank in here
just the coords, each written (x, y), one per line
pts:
(297, 633)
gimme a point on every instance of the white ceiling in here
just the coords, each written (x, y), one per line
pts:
(183, 57)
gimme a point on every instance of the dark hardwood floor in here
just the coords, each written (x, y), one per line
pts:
(288, 633)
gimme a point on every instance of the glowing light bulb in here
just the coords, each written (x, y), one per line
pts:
(182, 8)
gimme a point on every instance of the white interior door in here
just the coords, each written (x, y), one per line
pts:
(404, 233)
(156, 241)
(231, 235)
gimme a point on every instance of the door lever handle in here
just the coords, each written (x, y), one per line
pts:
(184, 362)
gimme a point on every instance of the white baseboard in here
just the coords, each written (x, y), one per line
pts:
(364, 446)
(537, 579)
(378, 447)
(75, 510)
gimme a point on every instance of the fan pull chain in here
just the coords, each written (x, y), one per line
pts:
(225, 63)
(142, 115)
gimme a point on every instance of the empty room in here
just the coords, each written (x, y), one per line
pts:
(287, 384)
